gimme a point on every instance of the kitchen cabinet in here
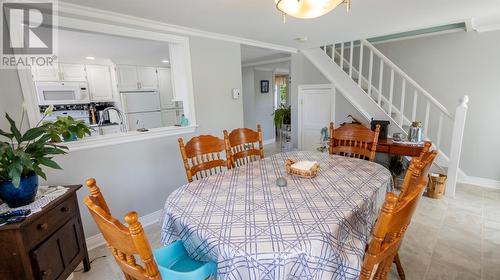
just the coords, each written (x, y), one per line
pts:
(60, 72)
(147, 78)
(99, 80)
(46, 74)
(72, 72)
(132, 78)
(127, 77)
(165, 88)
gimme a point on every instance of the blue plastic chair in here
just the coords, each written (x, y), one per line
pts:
(174, 263)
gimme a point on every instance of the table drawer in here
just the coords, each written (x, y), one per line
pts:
(41, 228)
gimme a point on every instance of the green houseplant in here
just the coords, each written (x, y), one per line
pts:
(21, 159)
(67, 127)
(282, 116)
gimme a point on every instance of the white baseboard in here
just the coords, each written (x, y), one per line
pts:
(479, 181)
(146, 220)
(268, 141)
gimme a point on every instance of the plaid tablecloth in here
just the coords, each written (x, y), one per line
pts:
(312, 229)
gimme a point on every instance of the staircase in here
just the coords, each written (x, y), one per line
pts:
(379, 89)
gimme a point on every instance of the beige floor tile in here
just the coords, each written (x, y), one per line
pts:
(448, 239)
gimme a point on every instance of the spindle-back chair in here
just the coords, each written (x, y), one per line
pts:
(244, 145)
(202, 156)
(354, 140)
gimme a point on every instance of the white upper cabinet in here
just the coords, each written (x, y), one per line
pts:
(165, 88)
(72, 72)
(132, 78)
(49, 74)
(61, 72)
(99, 79)
(127, 77)
(147, 77)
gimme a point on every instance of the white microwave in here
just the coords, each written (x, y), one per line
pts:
(59, 93)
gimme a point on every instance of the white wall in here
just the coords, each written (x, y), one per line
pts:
(449, 66)
(140, 175)
(259, 107)
(264, 104)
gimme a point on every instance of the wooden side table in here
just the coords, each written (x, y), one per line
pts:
(47, 245)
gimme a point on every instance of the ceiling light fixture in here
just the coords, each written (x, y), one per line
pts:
(308, 8)
(90, 57)
(164, 61)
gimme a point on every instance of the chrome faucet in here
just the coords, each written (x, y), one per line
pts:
(123, 126)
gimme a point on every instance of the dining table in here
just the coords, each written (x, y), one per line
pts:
(312, 228)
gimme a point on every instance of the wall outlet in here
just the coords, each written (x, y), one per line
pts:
(236, 93)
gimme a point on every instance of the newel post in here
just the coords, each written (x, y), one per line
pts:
(456, 145)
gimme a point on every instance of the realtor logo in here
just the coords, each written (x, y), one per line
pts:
(27, 34)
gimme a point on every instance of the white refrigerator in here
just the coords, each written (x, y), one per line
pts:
(142, 109)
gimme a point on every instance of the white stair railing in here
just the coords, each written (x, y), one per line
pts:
(361, 68)
(429, 106)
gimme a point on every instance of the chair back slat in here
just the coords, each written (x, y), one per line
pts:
(202, 156)
(421, 173)
(395, 218)
(126, 243)
(354, 140)
(245, 145)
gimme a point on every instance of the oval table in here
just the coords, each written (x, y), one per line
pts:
(311, 229)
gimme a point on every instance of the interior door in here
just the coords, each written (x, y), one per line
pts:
(148, 80)
(72, 72)
(127, 77)
(315, 112)
(99, 79)
(165, 88)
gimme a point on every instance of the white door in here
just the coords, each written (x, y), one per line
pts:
(99, 79)
(315, 112)
(165, 88)
(72, 72)
(148, 80)
(169, 117)
(127, 77)
(45, 74)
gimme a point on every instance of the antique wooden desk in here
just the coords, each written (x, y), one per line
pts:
(388, 146)
(47, 245)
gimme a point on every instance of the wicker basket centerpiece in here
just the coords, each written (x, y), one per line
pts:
(311, 173)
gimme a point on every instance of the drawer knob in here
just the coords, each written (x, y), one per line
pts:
(64, 209)
(45, 272)
(42, 226)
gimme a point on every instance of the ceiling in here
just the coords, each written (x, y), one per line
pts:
(259, 20)
(74, 46)
(250, 54)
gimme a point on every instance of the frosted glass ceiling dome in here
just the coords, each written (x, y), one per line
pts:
(307, 9)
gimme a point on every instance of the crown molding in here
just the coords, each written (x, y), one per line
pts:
(264, 62)
(103, 15)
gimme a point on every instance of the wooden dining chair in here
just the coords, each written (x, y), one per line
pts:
(392, 223)
(202, 156)
(244, 145)
(126, 243)
(354, 140)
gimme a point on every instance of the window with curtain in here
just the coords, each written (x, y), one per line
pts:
(280, 83)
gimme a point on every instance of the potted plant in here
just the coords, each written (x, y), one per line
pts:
(21, 159)
(282, 115)
(67, 127)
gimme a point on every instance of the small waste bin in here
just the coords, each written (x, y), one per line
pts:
(436, 185)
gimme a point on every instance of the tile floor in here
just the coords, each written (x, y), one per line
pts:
(448, 239)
